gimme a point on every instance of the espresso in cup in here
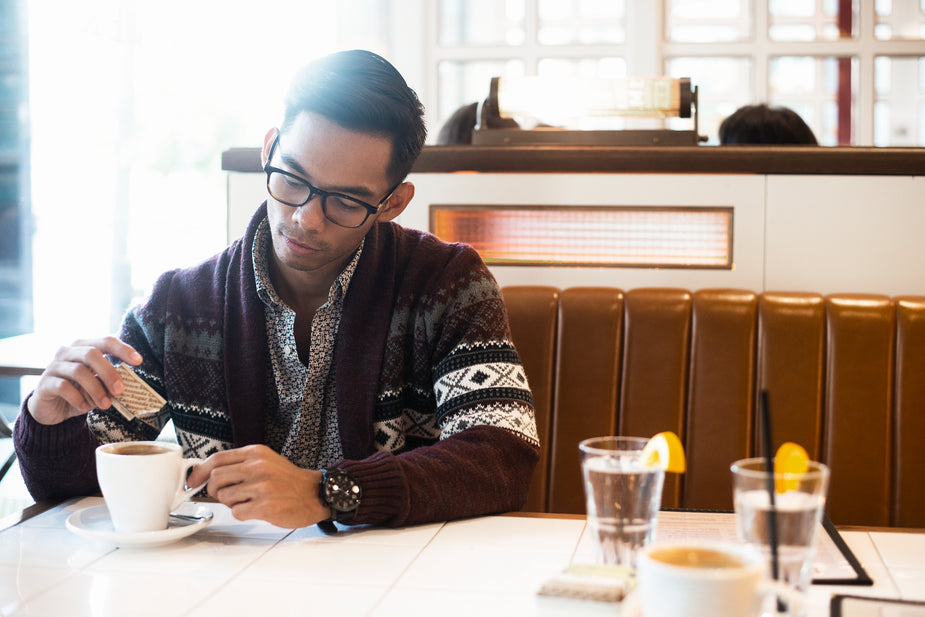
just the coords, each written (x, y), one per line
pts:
(133, 448)
(696, 557)
(694, 579)
(142, 482)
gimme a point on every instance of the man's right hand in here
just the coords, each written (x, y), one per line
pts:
(79, 379)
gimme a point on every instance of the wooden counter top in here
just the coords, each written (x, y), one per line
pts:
(672, 159)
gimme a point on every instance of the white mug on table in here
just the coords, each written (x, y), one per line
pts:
(709, 579)
(142, 482)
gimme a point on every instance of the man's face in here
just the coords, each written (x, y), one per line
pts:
(334, 159)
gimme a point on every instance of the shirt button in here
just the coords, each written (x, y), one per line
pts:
(287, 350)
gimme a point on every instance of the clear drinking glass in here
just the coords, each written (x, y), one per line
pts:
(623, 496)
(799, 501)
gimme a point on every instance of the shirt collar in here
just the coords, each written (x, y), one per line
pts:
(261, 257)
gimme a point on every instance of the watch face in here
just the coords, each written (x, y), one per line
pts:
(340, 491)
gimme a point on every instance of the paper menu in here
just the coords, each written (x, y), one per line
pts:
(834, 563)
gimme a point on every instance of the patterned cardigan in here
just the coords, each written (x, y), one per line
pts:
(435, 414)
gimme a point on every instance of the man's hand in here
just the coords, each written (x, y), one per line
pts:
(79, 379)
(257, 483)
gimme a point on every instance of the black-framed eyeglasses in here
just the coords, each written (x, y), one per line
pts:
(295, 191)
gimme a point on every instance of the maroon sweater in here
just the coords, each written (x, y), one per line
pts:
(435, 414)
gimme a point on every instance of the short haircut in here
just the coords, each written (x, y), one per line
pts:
(760, 124)
(458, 127)
(363, 92)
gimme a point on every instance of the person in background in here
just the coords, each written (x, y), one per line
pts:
(760, 124)
(459, 126)
(330, 365)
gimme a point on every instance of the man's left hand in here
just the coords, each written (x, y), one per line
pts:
(257, 483)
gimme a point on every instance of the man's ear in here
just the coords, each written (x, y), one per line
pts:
(397, 203)
(267, 144)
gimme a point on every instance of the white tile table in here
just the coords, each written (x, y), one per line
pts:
(476, 567)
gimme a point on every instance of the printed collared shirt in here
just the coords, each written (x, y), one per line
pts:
(302, 420)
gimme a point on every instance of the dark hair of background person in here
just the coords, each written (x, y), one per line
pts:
(362, 91)
(458, 127)
(760, 124)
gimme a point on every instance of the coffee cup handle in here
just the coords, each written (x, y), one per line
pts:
(793, 598)
(184, 492)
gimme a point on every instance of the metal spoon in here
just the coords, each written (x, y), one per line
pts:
(190, 518)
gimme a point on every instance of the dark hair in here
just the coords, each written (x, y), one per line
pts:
(458, 128)
(361, 91)
(760, 124)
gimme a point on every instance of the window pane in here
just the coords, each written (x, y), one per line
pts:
(791, 8)
(812, 87)
(481, 22)
(793, 76)
(881, 124)
(158, 99)
(464, 82)
(585, 67)
(900, 95)
(724, 84)
(585, 22)
(800, 20)
(15, 223)
(706, 21)
(922, 125)
(900, 19)
(792, 32)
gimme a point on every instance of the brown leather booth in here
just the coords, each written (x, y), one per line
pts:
(845, 375)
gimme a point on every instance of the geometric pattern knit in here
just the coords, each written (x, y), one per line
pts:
(302, 425)
(434, 411)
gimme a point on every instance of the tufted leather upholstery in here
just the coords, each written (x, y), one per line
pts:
(845, 375)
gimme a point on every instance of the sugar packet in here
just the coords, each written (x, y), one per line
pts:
(138, 398)
(600, 583)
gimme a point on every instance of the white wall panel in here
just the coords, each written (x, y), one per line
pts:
(246, 191)
(745, 193)
(846, 234)
(819, 233)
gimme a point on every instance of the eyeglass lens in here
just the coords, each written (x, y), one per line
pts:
(294, 193)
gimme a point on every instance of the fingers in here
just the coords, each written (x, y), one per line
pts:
(222, 469)
(125, 352)
(258, 483)
(92, 354)
(79, 378)
(93, 379)
(198, 475)
(52, 387)
(221, 459)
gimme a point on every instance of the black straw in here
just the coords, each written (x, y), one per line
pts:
(765, 413)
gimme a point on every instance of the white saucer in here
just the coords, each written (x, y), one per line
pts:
(94, 523)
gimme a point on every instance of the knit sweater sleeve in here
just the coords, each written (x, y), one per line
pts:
(59, 460)
(56, 461)
(454, 424)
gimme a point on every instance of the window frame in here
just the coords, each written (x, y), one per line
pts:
(647, 52)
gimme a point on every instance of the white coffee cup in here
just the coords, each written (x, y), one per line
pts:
(142, 482)
(709, 579)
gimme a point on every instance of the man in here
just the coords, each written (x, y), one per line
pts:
(330, 364)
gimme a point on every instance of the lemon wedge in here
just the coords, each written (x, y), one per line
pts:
(791, 458)
(665, 450)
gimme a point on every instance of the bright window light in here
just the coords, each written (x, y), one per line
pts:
(131, 104)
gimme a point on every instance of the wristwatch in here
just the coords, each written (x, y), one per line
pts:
(341, 493)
